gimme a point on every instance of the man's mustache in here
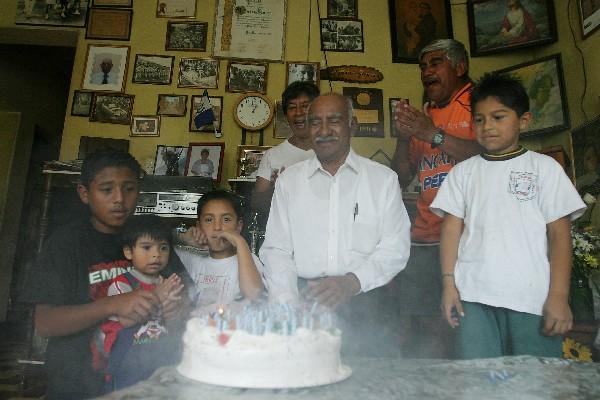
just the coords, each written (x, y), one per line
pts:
(324, 139)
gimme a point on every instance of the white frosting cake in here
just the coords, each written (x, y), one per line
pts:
(273, 356)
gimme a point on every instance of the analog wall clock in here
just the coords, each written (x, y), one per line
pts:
(253, 111)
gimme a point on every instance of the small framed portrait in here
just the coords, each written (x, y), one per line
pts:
(172, 105)
(112, 108)
(145, 125)
(176, 8)
(170, 160)
(341, 35)
(342, 9)
(186, 36)
(503, 25)
(205, 159)
(393, 102)
(198, 73)
(281, 127)
(589, 11)
(50, 13)
(247, 77)
(109, 24)
(112, 3)
(105, 68)
(302, 71)
(82, 103)
(153, 69)
(202, 124)
(248, 160)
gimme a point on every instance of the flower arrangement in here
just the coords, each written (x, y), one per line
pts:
(586, 246)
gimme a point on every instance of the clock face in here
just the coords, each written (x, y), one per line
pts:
(253, 112)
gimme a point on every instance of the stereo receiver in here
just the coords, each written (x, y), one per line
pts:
(168, 204)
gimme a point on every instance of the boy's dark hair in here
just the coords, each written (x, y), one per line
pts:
(204, 151)
(138, 226)
(297, 89)
(506, 89)
(224, 195)
(105, 158)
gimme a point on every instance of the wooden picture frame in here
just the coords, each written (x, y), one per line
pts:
(72, 14)
(339, 34)
(175, 8)
(368, 110)
(174, 157)
(153, 69)
(414, 24)
(82, 103)
(342, 9)
(186, 36)
(243, 77)
(302, 71)
(392, 105)
(207, 166)
(198, 73)
(585, 140)
(217, 105)
(491, 30)
(248, 159)
(544, 82)
(172, 105)
(145, 125)
(589, 17)
(113, 3)
(113, 108)
(109, 24)
(281, 126)
(105, 68)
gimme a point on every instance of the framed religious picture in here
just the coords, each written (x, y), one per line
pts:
(109, 24)
(544, 82)
(341, 35)
(247, 77)
(172, 105)
(105, 68)
(217, 107)
(205, 159)
(281, 126)
(302, 71)
(145, 125)
(170, 160)
(342, 9)
(413, 24)
(186, 36)
(198, 73)
(589, 12)
(149, 68)
(82, 102)
(368, 110)
(502, 25)
(51, 13)
(393, 102)
(112, 108)
(248, 159)
(175, 8)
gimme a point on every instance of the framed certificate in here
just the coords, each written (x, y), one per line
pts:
(250, 30)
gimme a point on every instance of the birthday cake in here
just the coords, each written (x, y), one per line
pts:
(268, 346)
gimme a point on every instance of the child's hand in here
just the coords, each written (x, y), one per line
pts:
(137, 306)
(451, 306)
(232, 237)
(168, 287)
(558, 319)
(194, 236)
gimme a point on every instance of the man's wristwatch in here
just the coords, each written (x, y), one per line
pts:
(438, 138)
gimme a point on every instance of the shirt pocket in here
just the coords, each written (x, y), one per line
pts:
(365, 236)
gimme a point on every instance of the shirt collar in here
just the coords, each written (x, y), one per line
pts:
(459, 93)
(314, 165)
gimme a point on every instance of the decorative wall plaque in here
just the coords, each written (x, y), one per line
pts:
(351, 73)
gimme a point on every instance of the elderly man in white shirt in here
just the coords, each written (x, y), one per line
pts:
(337, 220)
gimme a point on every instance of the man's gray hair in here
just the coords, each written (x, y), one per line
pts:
(455, 51)
(347, 101)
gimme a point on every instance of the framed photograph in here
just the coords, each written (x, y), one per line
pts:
(172, 105)
(342, 9)
(205, 159)
(544, 82)
(51, 13)
(368, 110)
(248, 159)
(82, 102)
(105, 68)
(247, 77)
(586, 155)
(341, 35)
(170, 160)
(217, 106)
(393, 102)
(302, 71)
(112, 3)
(413, 24)
(112, 108)
(186, 36)
(109, 23)
(589, 11)
(153, 69)
(502, 25)
(198, 73)
(175, 8)
(255, 30)
(145, 125)
(281, 126)
(382, 158)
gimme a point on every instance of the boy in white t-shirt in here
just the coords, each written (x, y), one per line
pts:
(506, 238)
(230, 272)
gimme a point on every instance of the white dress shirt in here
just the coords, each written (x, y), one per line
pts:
(322, 225)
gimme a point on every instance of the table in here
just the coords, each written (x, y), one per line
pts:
(504, 378)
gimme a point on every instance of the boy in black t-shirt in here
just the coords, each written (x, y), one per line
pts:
(68, 284)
